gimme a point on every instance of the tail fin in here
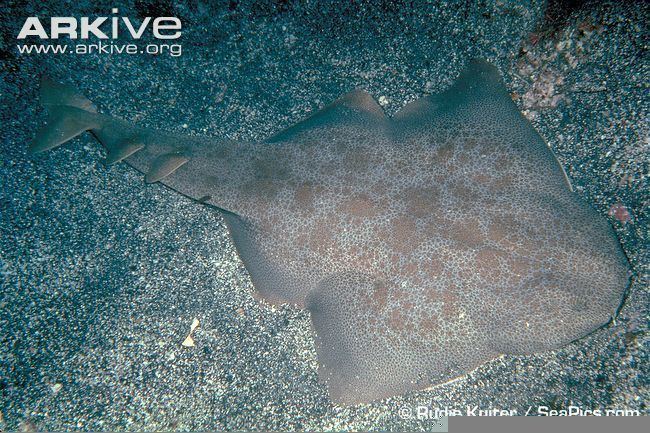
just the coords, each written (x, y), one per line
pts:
(53, 93)
(70, 114)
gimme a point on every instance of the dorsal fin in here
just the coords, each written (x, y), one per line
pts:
(361, 100)
(479, 80)
(124, 149)
(165, 165)
(356, 105)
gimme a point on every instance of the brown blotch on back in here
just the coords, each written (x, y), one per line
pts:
(445, 152)
(323, 236)
(519, 267)
(402, 235)
(464, 194)
(261, 187)
(380, 293)
(432, 267)
(422, 202)
(398, 321)
(220, 153)
(427, 326)
(360, 206)
(502, 163)
(305, 196)
(467, 231)
(482, 178)
(450, 305)
(503, 181)
(356, 162)
(470, 144)
(270, 169)
(488, 263)
(501, 227)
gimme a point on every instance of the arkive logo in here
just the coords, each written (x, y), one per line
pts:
(100, 35)
(83, 28)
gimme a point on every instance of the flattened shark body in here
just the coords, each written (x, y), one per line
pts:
(422, 245)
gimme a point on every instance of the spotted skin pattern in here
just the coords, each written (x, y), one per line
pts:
(422, 245)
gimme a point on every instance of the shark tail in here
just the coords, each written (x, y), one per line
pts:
(70, 114)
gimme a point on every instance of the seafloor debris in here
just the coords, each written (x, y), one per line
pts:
(544, 61)
(189, 341)
(620, 213)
